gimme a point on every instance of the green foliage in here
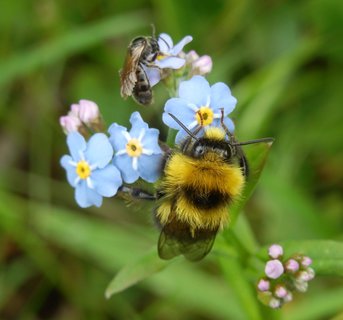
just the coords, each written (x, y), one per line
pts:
(283, 62)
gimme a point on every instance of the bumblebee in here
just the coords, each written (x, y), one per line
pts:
(200, 181)
(142, 51)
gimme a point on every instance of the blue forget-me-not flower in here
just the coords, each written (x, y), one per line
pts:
(89, 169)
(168, 58)
(199, 105)
(137, 153)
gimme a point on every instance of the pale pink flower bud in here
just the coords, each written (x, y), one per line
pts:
(306, 261)
(306, 275)
(88, 112)
(288, 297)
(274, 303)
(191, 56)
(70, 123)
(301, 286)
(203, 65)
(74, 110)
(274, 269)
(275, 251)
(281, 291)
(263, 285)
(311, 273)
(292, 266)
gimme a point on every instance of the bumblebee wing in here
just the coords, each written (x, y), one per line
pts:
(199, 249)
(128, 76)
(176, 239)
(168, 247)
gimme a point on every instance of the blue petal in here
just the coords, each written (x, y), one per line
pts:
(170, 62)
(70, 170)
(182, 135)
(99, 150)
(150, 167)
(65, 161)
(137, 124)
(165, 42)
(117, 138)
(229, 124)
(106, 181)
(180, 109)
(86, 197)
(179, 46)
(124, 164)
(153, 75)
(150, 141)
(76, 144)
(196, 90)
(221, 98)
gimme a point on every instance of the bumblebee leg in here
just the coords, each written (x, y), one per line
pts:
(243, 163)
(137, 193)
(226, 129)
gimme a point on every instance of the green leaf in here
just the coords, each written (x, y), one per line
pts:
(320, 305)
(257, 155)
(327, 255)
(140, 269)
(240, 285)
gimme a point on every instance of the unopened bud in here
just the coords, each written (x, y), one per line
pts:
(275, 251)
(274, 269)
(263, 285)
(70, 123)
(88, 111)
(292, 266)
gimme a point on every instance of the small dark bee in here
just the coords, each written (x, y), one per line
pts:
(134, 81)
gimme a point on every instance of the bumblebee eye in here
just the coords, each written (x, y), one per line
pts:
(199, 150)
(228, 152)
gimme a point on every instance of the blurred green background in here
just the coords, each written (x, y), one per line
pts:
(283, 61)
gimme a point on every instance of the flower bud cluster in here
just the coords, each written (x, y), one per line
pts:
(82, 117)
(283, 277)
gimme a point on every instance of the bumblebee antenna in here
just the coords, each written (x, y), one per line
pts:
(270, 140)
(235, 143)
(190, 133)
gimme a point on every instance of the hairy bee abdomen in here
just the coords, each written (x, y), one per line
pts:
(142, 90)
(206, 200)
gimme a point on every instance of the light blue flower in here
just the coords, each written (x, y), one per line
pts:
(168, 57)
(137, 153)
(89, 169)
(198, 106)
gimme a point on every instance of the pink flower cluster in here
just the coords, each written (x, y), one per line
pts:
(85, 113)
(283, 277)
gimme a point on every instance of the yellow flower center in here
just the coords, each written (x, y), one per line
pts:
(83, 170)
(204, 116)
(160, 57)
(134, 148)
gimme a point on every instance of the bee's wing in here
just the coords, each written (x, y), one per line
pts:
(128, 76)
(176, 239)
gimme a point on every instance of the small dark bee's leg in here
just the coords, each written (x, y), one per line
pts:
(137, 193)
(150, 64)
